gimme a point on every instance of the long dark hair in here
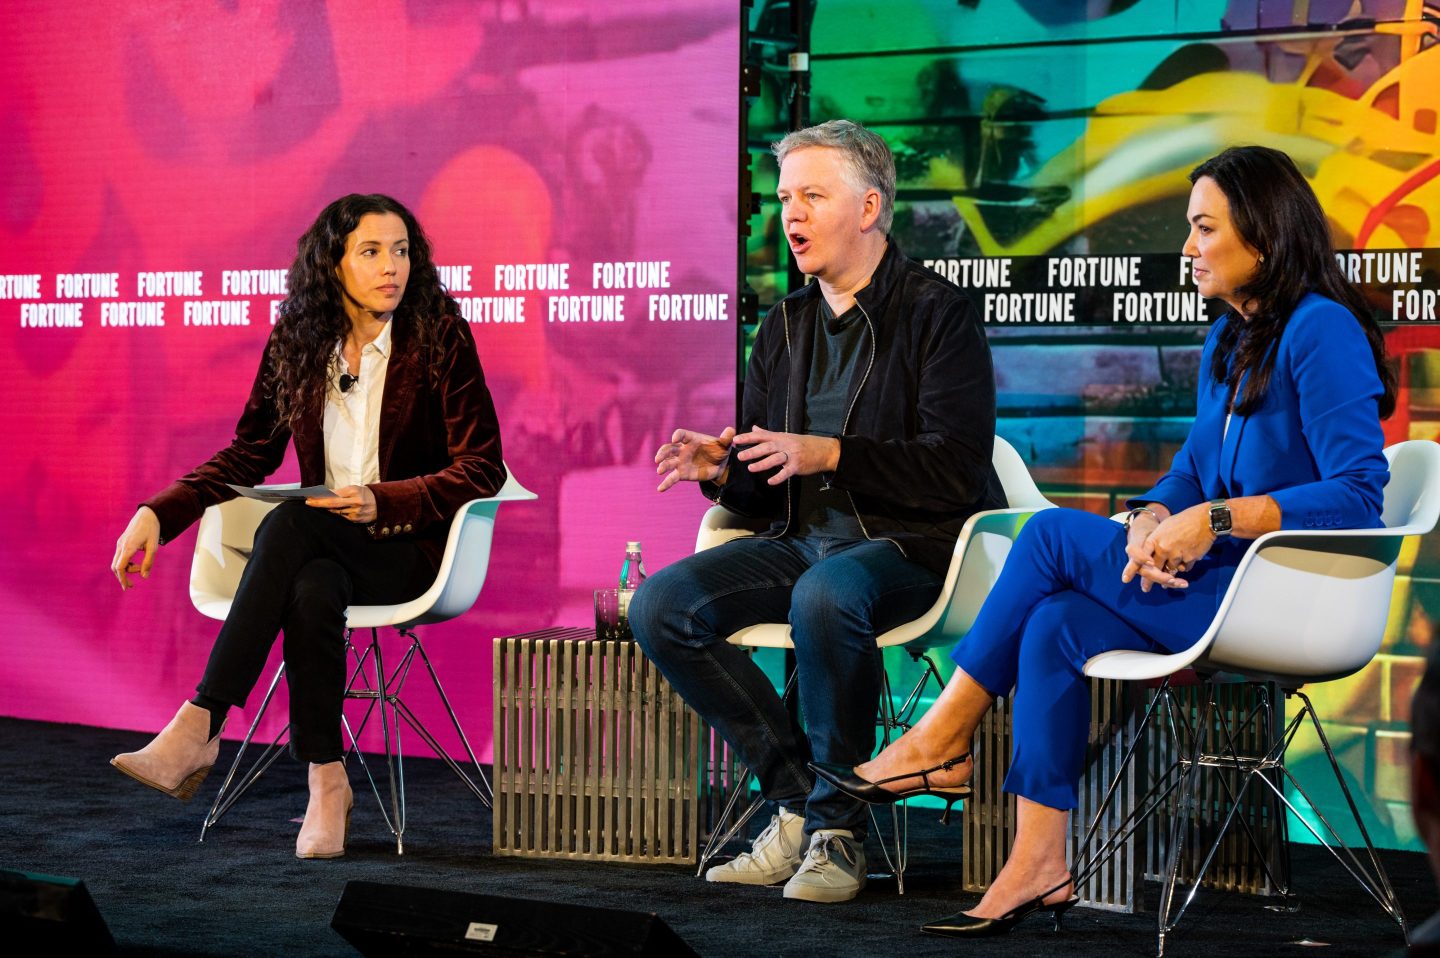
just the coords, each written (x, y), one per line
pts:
(312, 320)
(1276, 212)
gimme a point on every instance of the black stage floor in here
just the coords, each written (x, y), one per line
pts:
(242, 892)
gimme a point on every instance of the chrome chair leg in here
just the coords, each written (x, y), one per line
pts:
(1213, 747)
(1185, 801)
(899, 811)
(483, 791)
(383, 689)
(1268, 771)
(384, 694)
(1373, 878)
(906, 711)
(227, 796)
(231, 790)
(1089, 859)
(717, 840)
(1259, 721)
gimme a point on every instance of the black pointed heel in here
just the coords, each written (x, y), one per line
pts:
(950, 797)
(844, 778)
(961, 925)
(1060, 908)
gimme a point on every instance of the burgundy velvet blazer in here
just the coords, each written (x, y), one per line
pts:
(439, 445)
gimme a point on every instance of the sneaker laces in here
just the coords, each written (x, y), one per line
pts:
(764, 838)
(819, 854)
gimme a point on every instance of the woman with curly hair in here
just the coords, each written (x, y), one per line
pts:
(374, 375)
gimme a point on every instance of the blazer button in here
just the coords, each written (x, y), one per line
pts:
(385, 531)
(407, 527)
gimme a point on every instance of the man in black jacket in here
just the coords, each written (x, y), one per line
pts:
(870, 407)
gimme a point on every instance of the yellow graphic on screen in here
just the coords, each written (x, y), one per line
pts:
(1373, 159)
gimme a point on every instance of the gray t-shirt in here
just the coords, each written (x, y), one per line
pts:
(820, 511)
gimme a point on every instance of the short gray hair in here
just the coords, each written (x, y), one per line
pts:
(868, 160)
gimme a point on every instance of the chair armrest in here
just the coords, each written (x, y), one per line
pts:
(511, 491)
(1336, 580)
(974, 567)
(1001, 522)
(720, 525)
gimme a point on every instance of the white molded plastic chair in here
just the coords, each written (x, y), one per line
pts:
(980, 553)
(222, 547)
(1304, 606)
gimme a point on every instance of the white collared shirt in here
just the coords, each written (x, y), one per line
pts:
(352, 418)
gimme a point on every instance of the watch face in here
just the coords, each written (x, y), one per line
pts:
(1219, 518)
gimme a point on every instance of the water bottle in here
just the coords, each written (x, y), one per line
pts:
(632, 573)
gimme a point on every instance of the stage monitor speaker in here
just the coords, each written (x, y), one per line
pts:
(397, 921)
(46, 914)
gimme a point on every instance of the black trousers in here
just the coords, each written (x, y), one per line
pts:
(307, 567)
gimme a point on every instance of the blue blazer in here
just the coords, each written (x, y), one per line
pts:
(1314, 445)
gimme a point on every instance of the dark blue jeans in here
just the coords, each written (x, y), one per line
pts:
(837, 595)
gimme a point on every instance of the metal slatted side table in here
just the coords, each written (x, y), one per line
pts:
(596, 756)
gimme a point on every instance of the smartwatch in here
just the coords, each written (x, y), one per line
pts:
(1220, 519)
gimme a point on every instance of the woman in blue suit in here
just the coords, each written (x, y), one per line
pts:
(1293, 385)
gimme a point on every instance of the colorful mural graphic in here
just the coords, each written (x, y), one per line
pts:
(1025, 128)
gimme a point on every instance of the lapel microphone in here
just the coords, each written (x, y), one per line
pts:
(346, 381)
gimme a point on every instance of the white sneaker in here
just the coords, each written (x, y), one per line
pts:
(833, 870)
(773, 857)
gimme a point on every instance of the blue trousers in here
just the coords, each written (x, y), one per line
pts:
(837, 595)
(1058, 602)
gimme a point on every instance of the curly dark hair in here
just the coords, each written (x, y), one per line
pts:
(312, 320)
(1276, 212)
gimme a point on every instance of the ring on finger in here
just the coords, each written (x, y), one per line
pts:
(786, 460)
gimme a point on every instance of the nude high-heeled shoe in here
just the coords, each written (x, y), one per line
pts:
(177, 760)
(327, 817)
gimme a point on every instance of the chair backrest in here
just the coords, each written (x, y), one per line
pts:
(1020, 489)
(720, 525)
(467, 555)
(1313, 606)
(222, 547)
(1412, 496)
(980, 553)
(227, 533)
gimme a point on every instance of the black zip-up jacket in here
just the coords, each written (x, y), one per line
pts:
(919, 423)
